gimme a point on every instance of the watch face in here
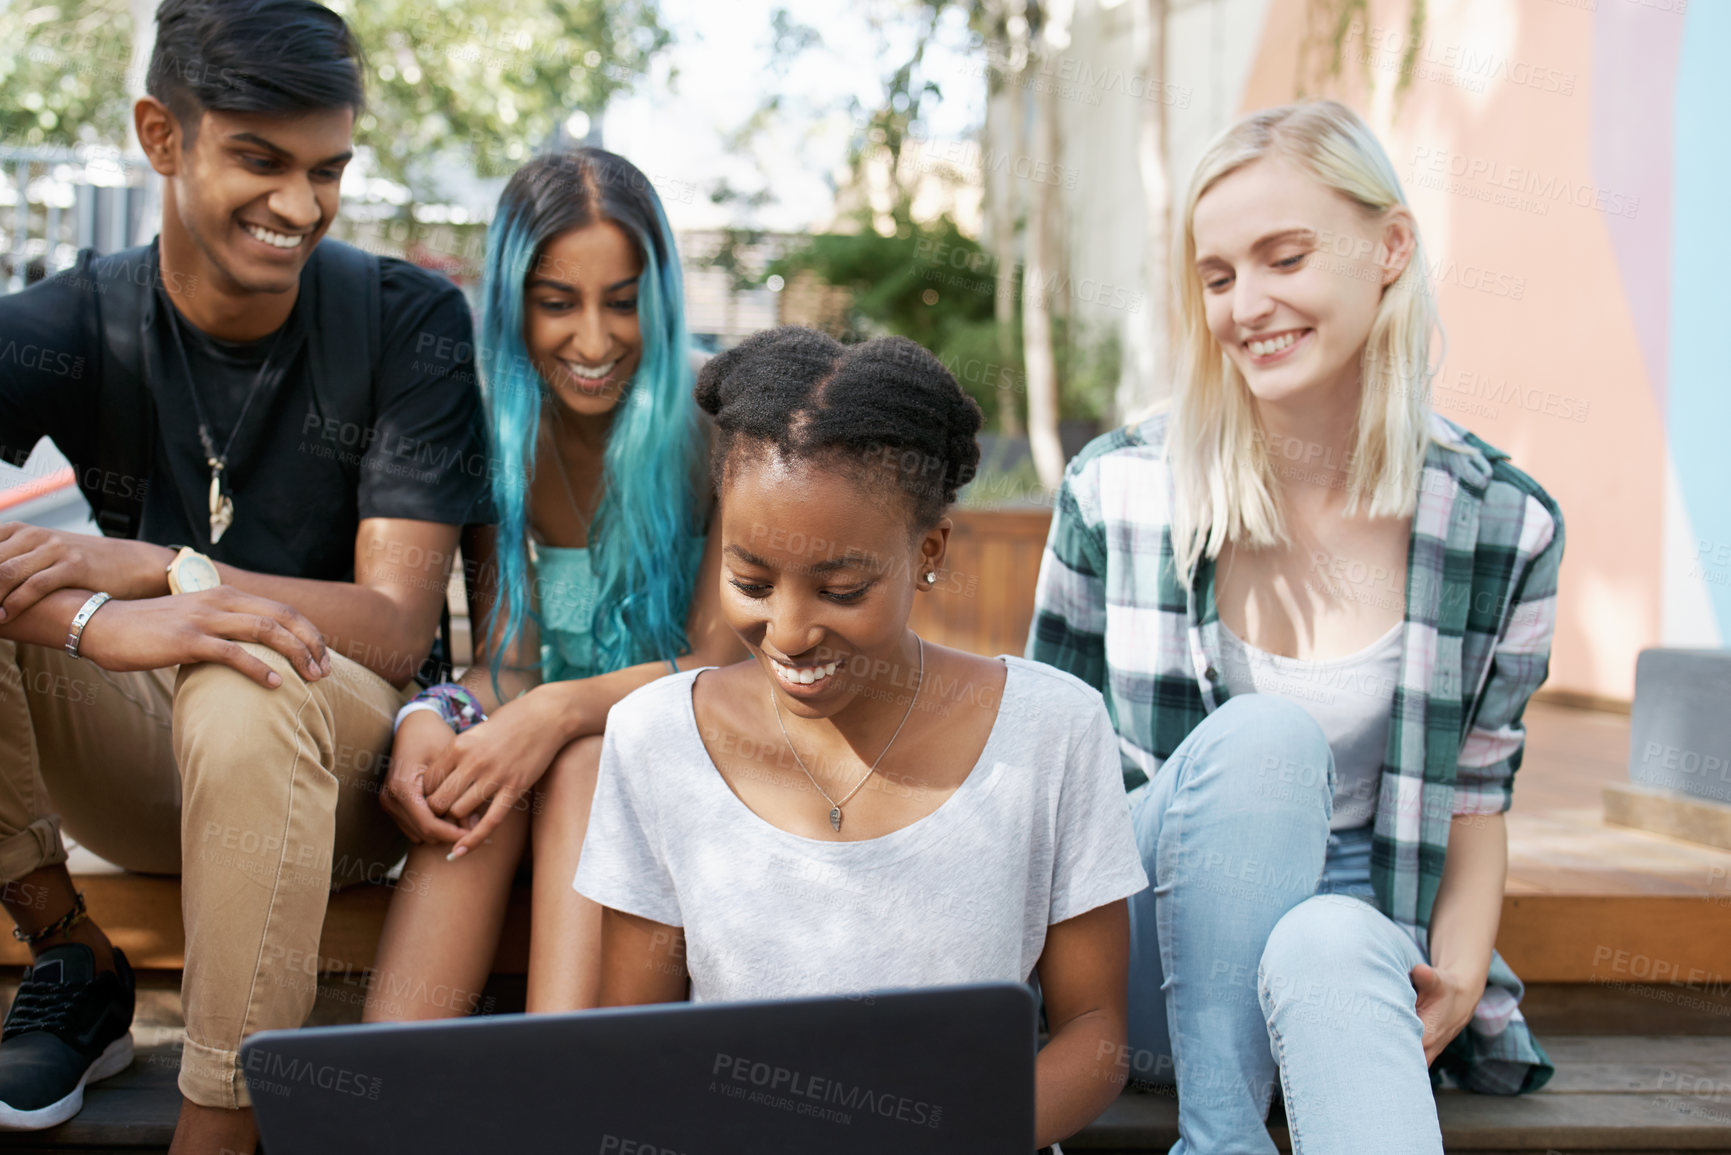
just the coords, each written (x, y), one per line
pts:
(194, 573)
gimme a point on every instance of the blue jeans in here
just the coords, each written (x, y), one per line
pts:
(1257, 952)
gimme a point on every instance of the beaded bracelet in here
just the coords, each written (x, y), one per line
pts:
(454, 704)
(65, 923)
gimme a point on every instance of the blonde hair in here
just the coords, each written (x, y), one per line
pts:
(1222, 473)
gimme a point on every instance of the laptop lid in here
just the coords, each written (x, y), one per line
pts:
(942, 1070)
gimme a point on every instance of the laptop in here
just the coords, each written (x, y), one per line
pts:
(943, 1069)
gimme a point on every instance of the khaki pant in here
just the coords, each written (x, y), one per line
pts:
(261, 800)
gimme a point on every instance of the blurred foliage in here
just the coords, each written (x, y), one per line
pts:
(1332, 28)
(928, 281)
(490, 80)
(921, 282)
(934, 284)
(63, 76)
(487, 81)
(1090, 363)
(1004, 478)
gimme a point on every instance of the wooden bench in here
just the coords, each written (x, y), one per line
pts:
(1624, 938)
(1612, 1093)
(1586, 902)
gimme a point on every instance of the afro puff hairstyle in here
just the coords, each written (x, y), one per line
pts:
(885, 407)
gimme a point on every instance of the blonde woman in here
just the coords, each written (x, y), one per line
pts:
(1317, 611)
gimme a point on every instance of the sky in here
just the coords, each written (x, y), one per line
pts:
(677, 125)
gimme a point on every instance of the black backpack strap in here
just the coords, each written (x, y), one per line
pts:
(343, 335)
(126, 432)
(345, 350)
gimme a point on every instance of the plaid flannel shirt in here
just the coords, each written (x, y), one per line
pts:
(1481, 590)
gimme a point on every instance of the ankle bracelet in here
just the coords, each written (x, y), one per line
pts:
(60, 925)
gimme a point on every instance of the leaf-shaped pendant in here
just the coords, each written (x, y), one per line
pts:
(221, 509)
(835, 818)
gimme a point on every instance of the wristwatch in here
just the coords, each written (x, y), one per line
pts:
(191, 571)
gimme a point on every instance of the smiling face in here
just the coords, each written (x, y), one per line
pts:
(1292, 273)
(580, 317)
(819, 573)
(254, 193)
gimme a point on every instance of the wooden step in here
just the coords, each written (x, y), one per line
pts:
(1601, 938)
(1611, 1094)
(1666, 812)
(1553, 1009)
(1479, 1124)
(141, 915)
(1586, 901)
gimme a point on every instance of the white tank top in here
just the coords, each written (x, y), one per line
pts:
(1351, 698)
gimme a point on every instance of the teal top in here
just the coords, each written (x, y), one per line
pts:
(567, 589)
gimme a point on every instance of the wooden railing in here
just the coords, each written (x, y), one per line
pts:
(984, 598)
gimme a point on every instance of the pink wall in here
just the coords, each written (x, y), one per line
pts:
(1493, 139)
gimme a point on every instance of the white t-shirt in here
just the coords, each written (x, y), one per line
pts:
(1351, 698)
(1038, 832)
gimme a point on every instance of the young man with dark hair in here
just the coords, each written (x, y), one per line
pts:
(282, 437)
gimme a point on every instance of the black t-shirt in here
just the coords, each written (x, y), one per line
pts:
(300, 481)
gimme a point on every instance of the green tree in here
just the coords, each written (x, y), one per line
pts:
(936, 285)
(63, 76)
(484, 80)
(491, 79)
(927, 282)
(1008, 341)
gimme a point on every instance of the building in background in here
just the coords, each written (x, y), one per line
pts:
(1565, 159)
(1567, 164)
(723, 306)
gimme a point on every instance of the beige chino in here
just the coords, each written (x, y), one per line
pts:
(262, 800)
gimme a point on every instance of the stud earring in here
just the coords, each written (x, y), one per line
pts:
(931, 577)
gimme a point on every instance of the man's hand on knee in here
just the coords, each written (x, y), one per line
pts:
(34, 562)
(207, 626)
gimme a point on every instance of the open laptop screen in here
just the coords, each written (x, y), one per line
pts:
(947, 1069)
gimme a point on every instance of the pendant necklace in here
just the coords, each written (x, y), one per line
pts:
(835, 805)
(221, 505)
(565, 477)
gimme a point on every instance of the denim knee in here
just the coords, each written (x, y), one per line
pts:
(1271, 747)
(1332, 957)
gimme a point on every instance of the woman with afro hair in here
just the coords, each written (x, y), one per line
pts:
(851, 808)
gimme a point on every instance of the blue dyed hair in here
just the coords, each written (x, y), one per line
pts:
(648, 509)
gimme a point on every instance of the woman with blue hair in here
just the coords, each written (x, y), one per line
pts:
(595, 581)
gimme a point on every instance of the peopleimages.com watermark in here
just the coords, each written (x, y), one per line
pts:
(1468, 66)
(1074, 77)
(1712, 562)
(924, 155)
(814, 1096)
(1668, 7)
(43, 359)
(1355, 257)
(270, 1073)
(1520, 187)
(622, 1145)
